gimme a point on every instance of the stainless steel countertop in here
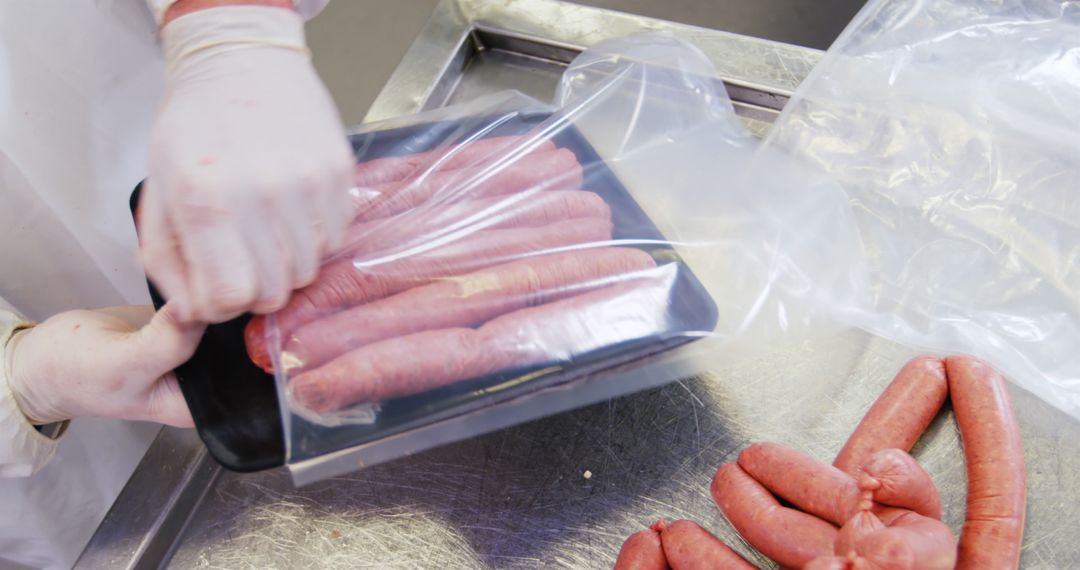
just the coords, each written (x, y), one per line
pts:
(769, 66)
(520, 497)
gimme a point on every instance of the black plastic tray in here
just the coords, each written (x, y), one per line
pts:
(235, 404)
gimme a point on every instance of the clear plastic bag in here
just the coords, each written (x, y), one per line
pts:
(505, 247)
(952, 129)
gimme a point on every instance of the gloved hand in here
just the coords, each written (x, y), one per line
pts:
(112, 362)
(249, 170)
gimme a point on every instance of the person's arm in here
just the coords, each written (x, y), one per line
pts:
(114, 362)
(249, 173)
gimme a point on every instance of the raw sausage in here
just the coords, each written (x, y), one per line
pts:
(828, 563)
(415, 227)
(642, 551)
(357, 280)
(395, 367)
(810, 485)
(994, 522)
(550, 170)
(687, 546)
(554, 332)
(342, 284)
(864, 522)
(786, 535)
(897, 480)
(466, 153)
(422, 361)
(900, 414)
(910, 542)
(464, 301)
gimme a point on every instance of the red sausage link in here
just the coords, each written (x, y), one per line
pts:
(828, 563)
(911, 542)
(341, 284)
(416, 227)
(384, 237)
(464, 301)
(790, 537)
(466, 153)
(391, 368)
(558, 331)
(551, 170)
(897, 480)
(863, 523)
(994, 454)
(687, 546)
(900, 414)
(554, 332)
(812, 486)
(344, 284)
(642, 551)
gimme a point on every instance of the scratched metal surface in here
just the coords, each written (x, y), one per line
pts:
(518, 498)
(493, 70)
(771, 68)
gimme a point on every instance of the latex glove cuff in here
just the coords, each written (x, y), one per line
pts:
(198, 36)
(306, 8)
(24, 449)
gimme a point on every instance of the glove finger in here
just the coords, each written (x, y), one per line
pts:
(162, 345)
(166, 342)
(165, 404)
(160, 252)
(221, 266)
(136, 316)
(273, 255)
(305, 237)
(336, 205)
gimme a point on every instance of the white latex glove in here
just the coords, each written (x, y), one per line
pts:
(249, 170)
(113, 362)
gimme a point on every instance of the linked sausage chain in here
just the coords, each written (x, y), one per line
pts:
(876, 507)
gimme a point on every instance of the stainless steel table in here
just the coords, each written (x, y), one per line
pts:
(564, 491)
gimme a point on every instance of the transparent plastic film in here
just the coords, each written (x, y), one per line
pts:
(504, 247)
(951, 130)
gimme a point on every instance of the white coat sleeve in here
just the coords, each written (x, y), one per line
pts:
(23, 449)
(306, 8)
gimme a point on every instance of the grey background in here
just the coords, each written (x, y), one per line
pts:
(358, 43)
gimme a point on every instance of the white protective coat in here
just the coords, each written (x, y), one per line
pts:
(80, 81)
